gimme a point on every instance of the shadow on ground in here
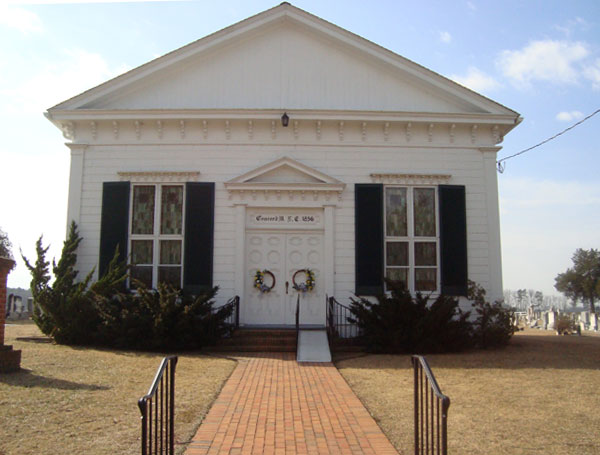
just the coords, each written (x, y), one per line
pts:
(27, 379)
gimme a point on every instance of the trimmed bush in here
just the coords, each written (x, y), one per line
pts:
(164, 318)
(399, 323)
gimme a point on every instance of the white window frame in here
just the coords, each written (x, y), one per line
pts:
(411, 239)
(156, 236)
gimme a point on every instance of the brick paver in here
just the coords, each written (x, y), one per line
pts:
(273, 405)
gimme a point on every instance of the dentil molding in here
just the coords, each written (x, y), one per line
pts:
(411, 179)
(159, 176)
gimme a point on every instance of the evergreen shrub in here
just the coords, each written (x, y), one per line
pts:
(164, 318)
(106, 313)
(63, 310)
(494, 324)
(400, 323)
(5, 245)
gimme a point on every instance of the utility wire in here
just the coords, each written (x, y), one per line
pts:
(502, 166)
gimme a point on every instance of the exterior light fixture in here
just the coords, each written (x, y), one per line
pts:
(285, 120)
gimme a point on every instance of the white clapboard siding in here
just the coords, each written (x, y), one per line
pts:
(349, 163)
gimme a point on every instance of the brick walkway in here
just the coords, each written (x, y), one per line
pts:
(273, 405)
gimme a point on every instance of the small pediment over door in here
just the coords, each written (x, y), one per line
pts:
(285, 179)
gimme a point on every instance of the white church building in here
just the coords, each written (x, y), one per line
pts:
(287, 145)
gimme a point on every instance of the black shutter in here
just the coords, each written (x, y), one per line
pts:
(453, 239)
(368, 212)
(114, 223)
(199, 233)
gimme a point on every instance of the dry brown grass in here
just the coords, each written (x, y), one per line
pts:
(82, 400)
(541, 395)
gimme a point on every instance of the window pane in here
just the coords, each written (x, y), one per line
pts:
(143, 274)
(424, 205)
(170, 251)
(143, 210)
(141, 251)
(170, 275)
(425, 279)
(398, 275)
(425, 253)
(396, 253)
(395, 209)
(171, 210)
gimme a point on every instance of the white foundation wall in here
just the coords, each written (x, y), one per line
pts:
(350, 160)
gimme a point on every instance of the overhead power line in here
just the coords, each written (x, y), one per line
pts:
(500, 164)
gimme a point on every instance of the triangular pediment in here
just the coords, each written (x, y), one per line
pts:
(284, 172)
(283, 59)
(287, 178)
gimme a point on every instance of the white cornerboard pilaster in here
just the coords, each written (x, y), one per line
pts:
(493, 218)
(329, 249)
(240, 248)
(75, 183)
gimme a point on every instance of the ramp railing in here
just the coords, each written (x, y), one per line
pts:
(340, 323)
(233, 320)
(297, 318)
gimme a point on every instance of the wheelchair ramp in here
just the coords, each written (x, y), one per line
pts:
(313, 346)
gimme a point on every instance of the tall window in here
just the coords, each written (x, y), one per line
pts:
(411, 237)
(156, 234)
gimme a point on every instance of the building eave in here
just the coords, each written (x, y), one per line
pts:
(61, 115)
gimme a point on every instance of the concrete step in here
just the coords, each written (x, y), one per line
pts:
(252, 348)
(347, 348)
(264, 333)
(259, 340)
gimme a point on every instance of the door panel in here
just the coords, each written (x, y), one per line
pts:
(283, 254)
(305, 251)
(264, 251)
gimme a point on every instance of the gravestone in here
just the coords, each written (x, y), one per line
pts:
(593, 322)
(16, 308)
(551, 320)
(584, 318)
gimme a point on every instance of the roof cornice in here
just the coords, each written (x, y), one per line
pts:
(60, 115)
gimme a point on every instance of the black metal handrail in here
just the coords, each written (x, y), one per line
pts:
(233, 320)
(339, 321)
(297, 317)
(158, 411)
(431, 411)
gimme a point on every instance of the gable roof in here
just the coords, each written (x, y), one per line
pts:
(283, 58)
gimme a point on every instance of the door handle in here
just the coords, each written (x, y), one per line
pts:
(287, 285)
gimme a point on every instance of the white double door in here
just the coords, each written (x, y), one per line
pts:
(283, 254)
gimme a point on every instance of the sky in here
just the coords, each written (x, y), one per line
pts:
(539, 58)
